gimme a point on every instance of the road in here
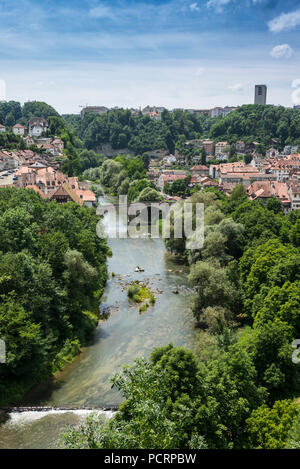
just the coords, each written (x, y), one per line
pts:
(6, 179)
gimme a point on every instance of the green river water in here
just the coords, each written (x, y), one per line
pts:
(125, 336)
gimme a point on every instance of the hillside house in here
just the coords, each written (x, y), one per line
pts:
(37, 126)
(265, 190)
(19, 129)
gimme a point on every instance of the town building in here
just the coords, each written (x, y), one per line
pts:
(200, 112)
(2, 128)
(289, 150)
(265, 190)
(222, 150)
(28, 141)
(153, 112)
(209, 147)
(221, 111)
(53, 184)
(37, 126)
(200, 170)
(260, 94)
(272, 153)
(19, 129)
(283, 169)
(240, 147)
(54, 146)
(239, 173)
(95, 109)
(294, 194)
(170, 177)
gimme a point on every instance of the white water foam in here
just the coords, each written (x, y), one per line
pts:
(23, 418)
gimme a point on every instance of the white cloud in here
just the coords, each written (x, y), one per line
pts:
(101, 11)
(194, 7)
(296, 92)
(296, 97)
(217, 4)
(170, 83)
(236, 87)
(282, 51)
(296, 83)
(285, 22)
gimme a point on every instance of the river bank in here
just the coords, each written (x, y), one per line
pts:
(124, 336)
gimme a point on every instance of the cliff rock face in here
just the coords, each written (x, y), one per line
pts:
(107, 150)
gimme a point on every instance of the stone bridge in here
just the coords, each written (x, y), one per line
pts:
(147, 209)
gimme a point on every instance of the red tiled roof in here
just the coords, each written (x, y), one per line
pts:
(173, 177)
(37, 190)
(199, 168)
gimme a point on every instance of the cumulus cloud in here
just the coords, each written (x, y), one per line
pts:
(296, 83)
(296, 92)
(285, 22)
(282, 51)
(194, 7)
(236, 87)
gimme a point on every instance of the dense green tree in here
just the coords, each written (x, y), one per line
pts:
(295, 234)
(149, 195)
(281, 304)
(38, 109)
(258, 123)
(213, 288)
(10, 112)
(52, 274)
(293, 440)
(268, 428)
(173, 402)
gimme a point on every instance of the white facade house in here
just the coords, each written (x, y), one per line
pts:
(222, 150)
(221, 111)
(272, 153)
(58, 145)
(222, 157)
(37, 125)
(29, 141)
(290, 150)
(294, 193)
(19, 129)
(2, 128)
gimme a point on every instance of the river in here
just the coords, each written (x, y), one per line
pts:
(125, 336)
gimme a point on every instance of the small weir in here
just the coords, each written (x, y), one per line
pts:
(19, 414)
(41, 427)
(84, 387)
(9, 410)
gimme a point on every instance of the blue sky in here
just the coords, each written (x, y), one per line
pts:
(130, 53)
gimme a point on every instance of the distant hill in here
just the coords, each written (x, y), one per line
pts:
(259, 123)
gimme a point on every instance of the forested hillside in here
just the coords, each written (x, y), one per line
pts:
(138, 133)
(141, 133)
(260, 124)
(52, 274)
(119, 128)
(239, 389)
(11, 112)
